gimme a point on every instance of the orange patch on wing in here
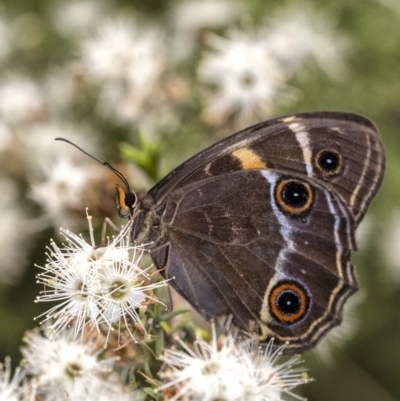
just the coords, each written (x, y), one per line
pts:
(249, 159)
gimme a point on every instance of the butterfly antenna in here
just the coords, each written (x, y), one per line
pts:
(106, 164)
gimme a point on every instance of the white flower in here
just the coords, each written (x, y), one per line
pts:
(64, 369)
(229, 370)
(70, 280)
(96, 286)
(10, 386)
(199, 14)
(21, 100)
(65, 85)
(125, 288)
(61, 190)
(124, 49)
(127, 59)
(105, 393)
(38, 139)
(190, 17)
(60, 178)
(108, 55)
(248, 80)
(77, 17)
(298, 34)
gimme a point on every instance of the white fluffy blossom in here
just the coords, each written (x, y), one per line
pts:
(11, 388)
(299, 34)
(61, 191)
(77, 17)
(64, 369)
(126, 58)
(191, 17)
(59, 175)
(21, 100)
(229, 369)
(65, 85)
(248, 81)
(38, 140)
(96, 285)
(101, 393)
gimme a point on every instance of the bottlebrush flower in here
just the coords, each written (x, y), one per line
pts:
(229, 369)
(246, 78)
(96, 286)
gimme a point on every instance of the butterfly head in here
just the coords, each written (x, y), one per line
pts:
(127, 199)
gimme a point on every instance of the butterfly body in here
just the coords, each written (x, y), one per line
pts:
(261, 225)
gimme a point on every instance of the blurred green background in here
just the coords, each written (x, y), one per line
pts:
(65, 71)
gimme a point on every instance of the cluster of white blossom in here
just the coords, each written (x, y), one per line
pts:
(123, 72)
(226, 367)
(249, 70)
(102, 290)
(63, 370)
(126, 58)
(11, 386)
(123, 68)
(96, 286)
(230, 369)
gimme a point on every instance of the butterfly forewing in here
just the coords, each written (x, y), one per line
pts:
(341, 149)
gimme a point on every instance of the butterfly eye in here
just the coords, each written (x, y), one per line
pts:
(293, 196)
(288, 302)
(329, 162)
(125, 202)
(130, 199)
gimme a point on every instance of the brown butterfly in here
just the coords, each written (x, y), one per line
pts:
(261, 225)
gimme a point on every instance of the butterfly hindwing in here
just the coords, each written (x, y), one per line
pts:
(236, 240)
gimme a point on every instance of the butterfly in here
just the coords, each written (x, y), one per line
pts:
(261, 225)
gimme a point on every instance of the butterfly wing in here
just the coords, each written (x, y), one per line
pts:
(341, 149)
(269, 248)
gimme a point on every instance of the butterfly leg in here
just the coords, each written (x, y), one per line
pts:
(108, 222)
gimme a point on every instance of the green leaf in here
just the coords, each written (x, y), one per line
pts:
(159, 346)
(170, 315)
(153, 393)
(146, 156)
(132, 376)
(147, 369)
